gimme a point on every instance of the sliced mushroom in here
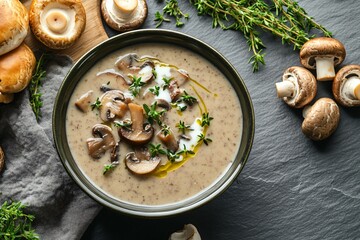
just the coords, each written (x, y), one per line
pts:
(175, 91)
(112, 105)
(321, 119)
(188, 233)
(84, 101)
(57, 24)
(103, 140)
(180, 76)
(346, 86)
(323, 54)
(168, 139)
(130, 65)
(139, 133)
(124, 15)
(163, 104)
(140, 161)
(298, 87)
(118, 77)
(2, 160)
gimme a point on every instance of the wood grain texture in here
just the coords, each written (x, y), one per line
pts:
(94, 32)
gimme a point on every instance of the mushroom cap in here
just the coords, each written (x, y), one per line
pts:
(305, 86)
(16, 69)
(340, 78)
(14, 25)
(321, 120)
(321, 47)
(139, 165)
(129, 65)
(2, 160)
(188, 233)
(75, 14)
(140, 133)
(125, 23)
(103, 140)
(112, 105)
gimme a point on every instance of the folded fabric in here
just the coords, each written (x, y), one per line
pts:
(33, 173)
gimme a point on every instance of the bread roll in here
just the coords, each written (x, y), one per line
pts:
(16, 68)
(14, 25)
(57, 23)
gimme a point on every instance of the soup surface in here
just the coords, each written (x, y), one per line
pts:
(202, 153)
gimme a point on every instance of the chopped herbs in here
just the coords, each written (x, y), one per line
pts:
(14, 223)
(152, 114)
(204, 139)
(183, 127)
(186, 98)
(35, 84)
(186, 151)
(96, 104)
(108, 167)
(205, 120)
(166, 82)
(125, 124)
(160, 18)
(165, 130)
(136, 85)
(172, 156)
(155, 90)
(154, 73)
(156, 150)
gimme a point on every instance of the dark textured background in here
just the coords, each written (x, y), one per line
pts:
(291, 187)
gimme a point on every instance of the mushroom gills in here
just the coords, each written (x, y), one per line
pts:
(351, 88)
(325, 70)
(103, 140)
(112, 105)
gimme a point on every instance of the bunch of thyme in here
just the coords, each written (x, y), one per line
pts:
(283, 18)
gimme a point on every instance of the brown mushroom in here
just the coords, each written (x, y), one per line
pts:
(2, 160)
(130, 66)
(188, 233)
(298, 87)
(14, 25)
(84, 101)
(140, 161)
(323, 54)
(103, 140)
(321, 119)
(124, 15)
(346, 86)
(57, 23)
(16, 69)
(112, 105)
(168, 138)
(139, 133)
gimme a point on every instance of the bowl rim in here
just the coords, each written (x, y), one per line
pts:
(168, 37)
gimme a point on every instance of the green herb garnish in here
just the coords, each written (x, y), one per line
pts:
(172, 9)
(172, 156)
(165, 130)
(155, 90)
(124, 124)
(204, 139)
(166, 82)
(282, 18)
(96, 104)
(108, 167)
(35, 84)
(152, 114)
(186, 98)
(136, 85)
(205, 119)
(183, 127)
(14, 223)
(160, 18)
(186, 151)
(156, 150)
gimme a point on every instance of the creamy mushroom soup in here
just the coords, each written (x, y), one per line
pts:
(153, 124)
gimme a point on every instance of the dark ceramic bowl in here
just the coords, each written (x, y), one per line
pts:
(151, 36)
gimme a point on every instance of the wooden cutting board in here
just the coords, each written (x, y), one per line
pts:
(93, 34)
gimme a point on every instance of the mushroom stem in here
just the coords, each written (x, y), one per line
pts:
(306, 111)
(352, 88)
(137, 117)
(125, 7)
(57, 21)
(325, 70)
(285, 89)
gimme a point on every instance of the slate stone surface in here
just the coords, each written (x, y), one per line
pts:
(291, 187)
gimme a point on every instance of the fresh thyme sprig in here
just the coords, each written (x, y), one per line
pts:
(152, 114)
(171, 8)
(109, 167)
(186, 152)
(155, 90)
(136, 85)
(96, 104)
(206, 119)
(156, 150)
(35, 85)
(204, 139)
(124, 124)
(188, 99)
(183, 127)
(14, 223)
(283, 18)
